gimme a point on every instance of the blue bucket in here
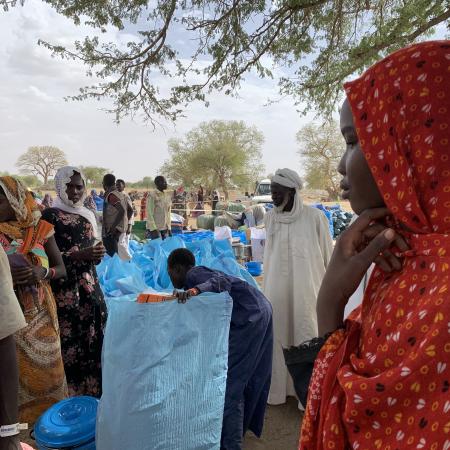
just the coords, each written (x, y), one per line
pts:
(68, 425)
(254, 268)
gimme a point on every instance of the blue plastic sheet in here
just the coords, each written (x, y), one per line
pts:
(192, 236)
(148, 267)
(119, 278)
(328, 215)
(164, 374)
(338, 219)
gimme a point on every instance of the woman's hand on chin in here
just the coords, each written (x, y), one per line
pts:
(365, 242)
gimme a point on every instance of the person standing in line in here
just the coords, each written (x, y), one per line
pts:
(124, 239)
(90, 204)
(159, 209)
(115, 220)
(79, 298)
(143, 212)
(199, 206)
(11, 321)
(47, 202)
(98, 200)
(120, 184)
(298, 249)
(35, 260)
(215, 200)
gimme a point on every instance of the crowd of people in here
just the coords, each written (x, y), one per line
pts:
(381, 376)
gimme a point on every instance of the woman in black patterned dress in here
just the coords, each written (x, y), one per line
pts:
(81, 306)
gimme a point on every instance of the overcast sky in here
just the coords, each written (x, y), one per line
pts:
(33, 111)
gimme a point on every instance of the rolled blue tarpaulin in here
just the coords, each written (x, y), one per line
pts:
(164, 374)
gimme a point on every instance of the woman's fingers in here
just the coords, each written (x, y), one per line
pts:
(383, 264)
(395, 262)
(367, 217)
(22, 275)
(376, 246)
(356, 233)
(387, 260)
(399, 241)
(21, 270)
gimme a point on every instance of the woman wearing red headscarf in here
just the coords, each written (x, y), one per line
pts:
(382, 380)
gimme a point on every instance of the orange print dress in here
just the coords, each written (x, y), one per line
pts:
(42, 381)
(384, 381)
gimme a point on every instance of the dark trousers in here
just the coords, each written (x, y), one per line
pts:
(9, 387)
(164, 234)
(111, 244)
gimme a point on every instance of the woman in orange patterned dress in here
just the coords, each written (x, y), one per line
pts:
(382, 380)
(34, 260)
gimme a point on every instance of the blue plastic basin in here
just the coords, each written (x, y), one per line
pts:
(68, 425)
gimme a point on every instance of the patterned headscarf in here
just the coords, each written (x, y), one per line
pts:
(62, 202)
(24, 206)
(401, 109)
(384, 381)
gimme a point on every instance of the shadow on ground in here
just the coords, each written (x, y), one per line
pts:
(281, 429)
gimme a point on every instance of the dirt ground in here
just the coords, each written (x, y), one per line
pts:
(281, 429)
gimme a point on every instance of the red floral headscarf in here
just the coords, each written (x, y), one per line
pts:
(384, 381)
(401, 109)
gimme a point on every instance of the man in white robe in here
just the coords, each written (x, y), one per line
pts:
(298, 249)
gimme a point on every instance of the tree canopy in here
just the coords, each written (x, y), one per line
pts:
(146, 183)
(42, 161)
(216, 154)
(94, 175)
(317, 43)
(321, 149)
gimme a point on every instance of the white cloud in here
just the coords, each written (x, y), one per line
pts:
(41, 95)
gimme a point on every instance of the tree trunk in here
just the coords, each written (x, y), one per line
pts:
(223, 185)
(46, 175)
(333, 194)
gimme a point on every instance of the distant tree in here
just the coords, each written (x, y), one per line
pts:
(30, 181)
(216, 154)
(42, 161)
(94, 175)
(147, 182)
(321, 148)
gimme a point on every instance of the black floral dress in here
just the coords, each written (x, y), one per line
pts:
(81, 306)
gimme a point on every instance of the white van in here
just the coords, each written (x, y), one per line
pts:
(262, 193)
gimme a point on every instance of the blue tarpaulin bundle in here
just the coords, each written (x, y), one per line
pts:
(164, 374)
(341, 221)
(328, 216)
(148, 267)
(338, 219)
(199, 235)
